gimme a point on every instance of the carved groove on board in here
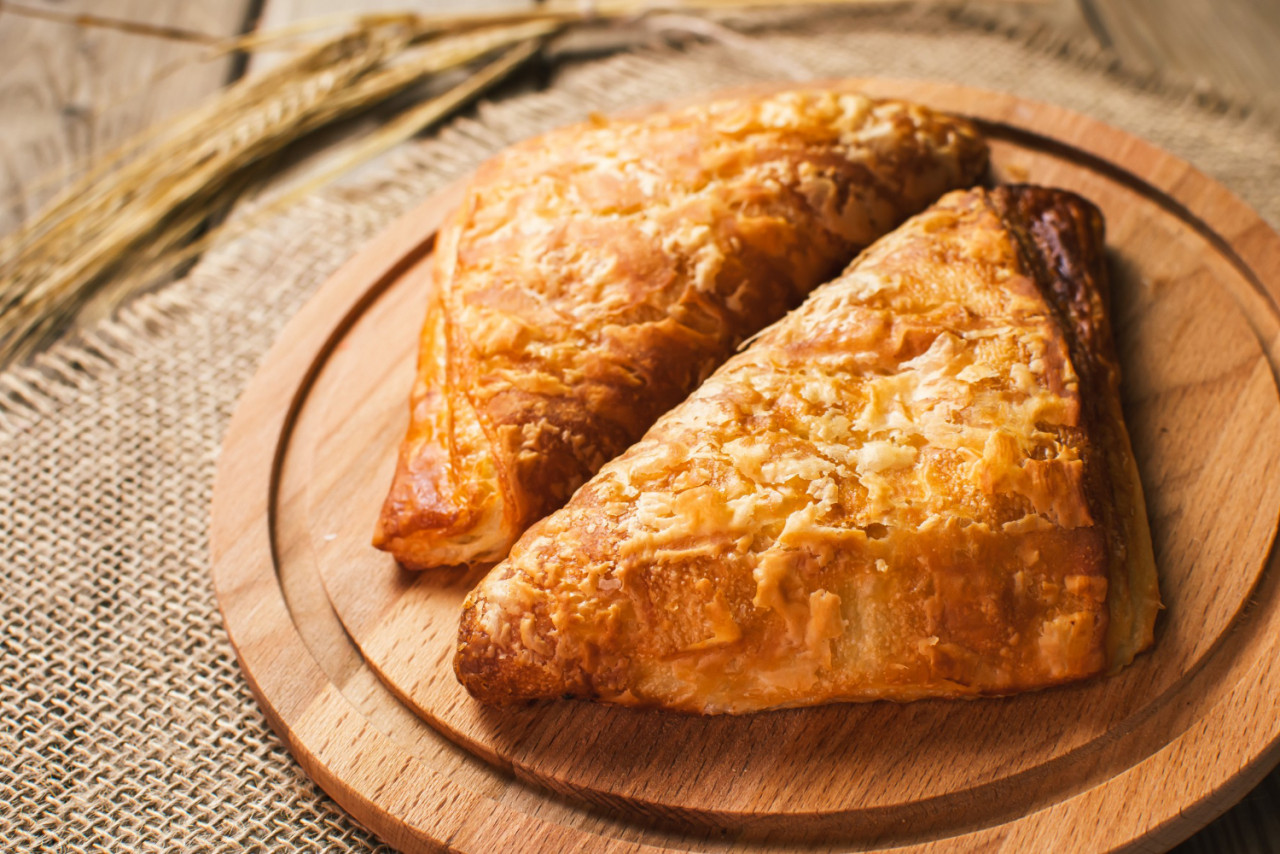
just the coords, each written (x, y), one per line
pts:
(1174, 716)
(1011, 792)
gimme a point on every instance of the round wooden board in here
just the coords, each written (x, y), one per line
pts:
(1148, 755)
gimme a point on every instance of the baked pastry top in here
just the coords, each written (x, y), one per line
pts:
(594, 276)
(918, 484)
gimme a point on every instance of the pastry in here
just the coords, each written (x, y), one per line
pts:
(918, 484)
(593, 277)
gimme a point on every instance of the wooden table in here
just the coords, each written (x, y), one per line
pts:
(69, 93)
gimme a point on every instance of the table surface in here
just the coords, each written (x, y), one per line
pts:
(68, 93)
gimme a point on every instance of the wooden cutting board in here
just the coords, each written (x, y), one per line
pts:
(350, 656)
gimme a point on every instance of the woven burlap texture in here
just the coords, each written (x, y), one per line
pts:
(125, 723)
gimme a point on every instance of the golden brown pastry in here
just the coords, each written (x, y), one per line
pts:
(918, 484)
(594, 276)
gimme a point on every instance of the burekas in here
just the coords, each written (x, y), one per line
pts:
(594, 276)
(918, 484)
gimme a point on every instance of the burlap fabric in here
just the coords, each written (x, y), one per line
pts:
(124, 721)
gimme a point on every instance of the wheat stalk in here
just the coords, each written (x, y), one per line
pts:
(131, 219)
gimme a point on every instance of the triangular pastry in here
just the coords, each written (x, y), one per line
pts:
(594, 276)
(918, 484)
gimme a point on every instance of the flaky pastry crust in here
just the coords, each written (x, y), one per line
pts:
(594, 276)
(918, 484)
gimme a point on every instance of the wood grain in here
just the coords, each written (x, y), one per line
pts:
(1229, 48)
(1149, 755)
(68, 93)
